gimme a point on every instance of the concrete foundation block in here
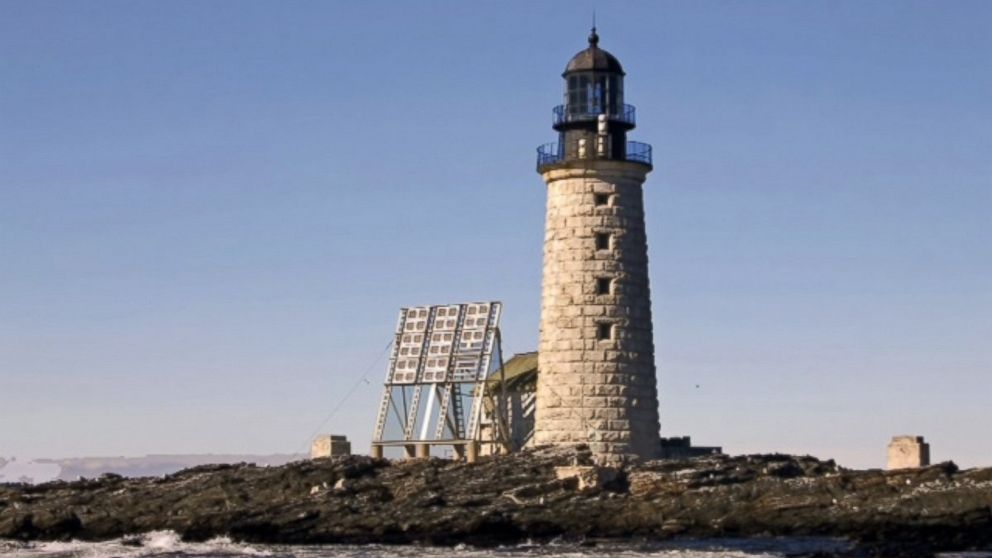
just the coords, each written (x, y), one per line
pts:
(329, 445)
(907, 452)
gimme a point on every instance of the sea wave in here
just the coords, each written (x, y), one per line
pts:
(147, 545)
(167, 544)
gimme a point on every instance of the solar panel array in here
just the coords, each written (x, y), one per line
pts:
(448, 343)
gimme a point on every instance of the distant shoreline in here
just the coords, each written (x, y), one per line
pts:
(39, 470)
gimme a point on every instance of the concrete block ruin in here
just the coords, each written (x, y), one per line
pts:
(329, 445)
(908, 452)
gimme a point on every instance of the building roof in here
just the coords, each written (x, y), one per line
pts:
(594, 58)
(516, 370)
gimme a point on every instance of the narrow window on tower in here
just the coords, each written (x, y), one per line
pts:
(604, 331)
(604, 285)
(602, 241)
(601, 200)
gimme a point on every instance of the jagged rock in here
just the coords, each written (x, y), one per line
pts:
(589, 478)
(357, 499)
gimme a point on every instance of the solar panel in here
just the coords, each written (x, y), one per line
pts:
(441, 352)
(445, 343)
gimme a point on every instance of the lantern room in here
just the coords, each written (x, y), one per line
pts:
(593, 121)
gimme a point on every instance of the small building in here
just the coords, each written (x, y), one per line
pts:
(681, 448)
(329, 445)
(520, 389)
(908, 452)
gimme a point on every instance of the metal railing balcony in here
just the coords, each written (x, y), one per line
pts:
(562, 114)
(550, 153)
(639, 151)
(554, 152)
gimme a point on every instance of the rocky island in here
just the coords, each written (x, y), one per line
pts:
(507, 499)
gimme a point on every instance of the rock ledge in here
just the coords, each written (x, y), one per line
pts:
(513, 498)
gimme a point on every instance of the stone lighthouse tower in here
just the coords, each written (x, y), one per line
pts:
(596, 381)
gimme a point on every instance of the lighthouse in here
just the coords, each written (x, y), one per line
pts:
(597, 382)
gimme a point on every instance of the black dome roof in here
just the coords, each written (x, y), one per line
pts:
(594, 58)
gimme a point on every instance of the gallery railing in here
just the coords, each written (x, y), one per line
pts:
(572, 113)
(554, 152)
(639, 152)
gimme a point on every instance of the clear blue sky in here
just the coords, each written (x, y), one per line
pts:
(210, 212)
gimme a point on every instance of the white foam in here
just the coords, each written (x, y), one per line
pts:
(161, 540)
(167, 544)
(147, 545)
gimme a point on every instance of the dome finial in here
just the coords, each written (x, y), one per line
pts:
(593, 37)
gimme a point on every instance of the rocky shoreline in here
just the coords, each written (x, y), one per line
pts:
(520, 497)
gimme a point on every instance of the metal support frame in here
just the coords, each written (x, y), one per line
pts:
(470, 346)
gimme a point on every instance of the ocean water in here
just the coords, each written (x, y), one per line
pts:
(161, 544)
